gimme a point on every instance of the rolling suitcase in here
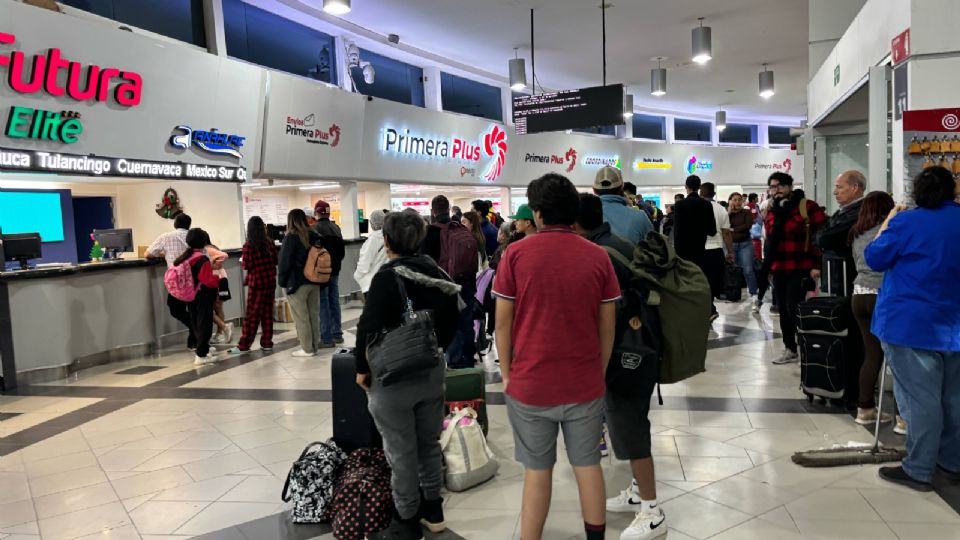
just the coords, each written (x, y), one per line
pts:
(466, 387)
(353, 427)
(829, 343)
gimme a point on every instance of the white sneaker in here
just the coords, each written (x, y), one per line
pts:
(900, 428)
(789, 357)
(627, 501)
(228, 333)
(209, 359)
(867, 417)
(217, 338)
(300, 353)
(646, 525)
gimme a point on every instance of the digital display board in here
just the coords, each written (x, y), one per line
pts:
(569, 109)
(32, 212)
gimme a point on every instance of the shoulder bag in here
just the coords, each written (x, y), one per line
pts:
(406, 350)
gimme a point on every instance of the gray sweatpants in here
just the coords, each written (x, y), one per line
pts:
(409, 415)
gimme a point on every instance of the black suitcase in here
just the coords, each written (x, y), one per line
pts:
(353, 427)
(732, 280)
(829, 342)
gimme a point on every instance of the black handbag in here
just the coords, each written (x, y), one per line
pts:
(635, 362)
(406, 350)
(224, 290)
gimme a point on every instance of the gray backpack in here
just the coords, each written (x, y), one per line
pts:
(311, 482)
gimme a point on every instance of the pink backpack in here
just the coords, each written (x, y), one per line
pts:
(179, 280)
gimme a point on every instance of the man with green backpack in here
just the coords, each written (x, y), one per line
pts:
(655, 284)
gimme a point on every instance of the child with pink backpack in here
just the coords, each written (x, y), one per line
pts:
(192, 279)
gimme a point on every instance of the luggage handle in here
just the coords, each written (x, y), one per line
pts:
(452, 426)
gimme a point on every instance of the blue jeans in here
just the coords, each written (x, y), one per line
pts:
(743, 253)
(330, 328)
(927, 387)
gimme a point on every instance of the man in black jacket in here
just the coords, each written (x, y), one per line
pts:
(694, 221)
(834, 241)
(462, 352)
(331, 331)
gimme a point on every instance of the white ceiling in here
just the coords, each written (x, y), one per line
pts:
(483, 33)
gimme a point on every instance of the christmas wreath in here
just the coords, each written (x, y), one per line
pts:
(169, 208)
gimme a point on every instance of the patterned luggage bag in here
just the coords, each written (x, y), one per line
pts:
(363, 502)
(311, 482)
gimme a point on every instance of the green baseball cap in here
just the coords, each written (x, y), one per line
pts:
(523, 212)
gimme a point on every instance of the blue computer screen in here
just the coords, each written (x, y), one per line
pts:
(32, 211)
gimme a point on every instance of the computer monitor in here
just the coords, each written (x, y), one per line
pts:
(114, 241)
(21, 247)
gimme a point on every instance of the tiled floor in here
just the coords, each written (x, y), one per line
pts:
(176, 452)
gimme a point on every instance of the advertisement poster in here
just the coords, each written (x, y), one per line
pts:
(931, 138)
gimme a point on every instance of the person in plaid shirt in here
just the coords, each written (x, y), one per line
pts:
(259, 259)
(793, 257)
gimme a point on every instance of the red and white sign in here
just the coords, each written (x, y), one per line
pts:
(900, 47)
(784, 166)
(42, 73)
(493, 144)
(942, 120)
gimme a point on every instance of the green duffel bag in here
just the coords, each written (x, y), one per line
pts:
(466, 388)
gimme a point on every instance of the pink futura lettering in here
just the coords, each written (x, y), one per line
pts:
(46, 72)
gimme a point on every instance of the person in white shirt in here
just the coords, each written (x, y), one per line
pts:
(169, 246)
(373, 254)
(718, 244)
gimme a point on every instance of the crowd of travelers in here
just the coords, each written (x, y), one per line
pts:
(565, 265)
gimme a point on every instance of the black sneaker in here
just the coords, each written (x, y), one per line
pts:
(338, 340)
(399, 529)
(950, 476)
(898, 476)
(431, 514)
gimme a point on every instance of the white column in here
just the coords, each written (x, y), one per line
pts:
(878, 88)
(714, 134)
(670, 132)
(506, 205)
(348, 210)
(763, 135)
(213, 25)
(506, 103)
(432, 97)
(343, 71)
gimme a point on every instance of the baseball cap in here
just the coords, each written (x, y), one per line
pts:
(321, 207)
(523, 212)
(608, 178)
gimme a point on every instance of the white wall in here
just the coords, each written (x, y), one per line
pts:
(214, 208)
(373, 196)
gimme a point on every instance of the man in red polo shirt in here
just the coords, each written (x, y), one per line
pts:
(556, 314)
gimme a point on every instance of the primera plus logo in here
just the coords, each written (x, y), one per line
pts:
(41, 73)
(304, 127)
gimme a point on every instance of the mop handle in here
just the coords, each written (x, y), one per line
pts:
(876, 429)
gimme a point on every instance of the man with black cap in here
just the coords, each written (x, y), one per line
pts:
(627, 222)
(694, 221)
(331, 331)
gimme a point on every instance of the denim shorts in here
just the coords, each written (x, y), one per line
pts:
(535, 431)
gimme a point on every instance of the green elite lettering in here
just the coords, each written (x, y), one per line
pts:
(27, 123)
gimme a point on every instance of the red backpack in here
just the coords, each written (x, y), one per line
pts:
(459, 252)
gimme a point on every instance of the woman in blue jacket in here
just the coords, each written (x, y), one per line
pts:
(918, 322)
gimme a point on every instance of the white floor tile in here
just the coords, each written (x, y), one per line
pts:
(84, 522)
(832, 504)
(746, 495)
(711, 469)
(701, 518)
(846, 530)
(73, 500)
(220, 515)
(164, 517)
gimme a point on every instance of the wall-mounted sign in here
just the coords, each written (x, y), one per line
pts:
(601, 161)
(305, 127)
(656, 164)
(41, 125)
(784, 166)
(212, 141)
(569, 159)
(57, 162)
(900, 47)
(493, 144)
(57, 76)
(695, 165)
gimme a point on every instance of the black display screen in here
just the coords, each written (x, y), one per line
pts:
(569, 109)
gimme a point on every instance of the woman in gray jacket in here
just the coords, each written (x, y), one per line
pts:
(876, 207)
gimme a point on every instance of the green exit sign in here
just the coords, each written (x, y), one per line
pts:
(836, 75)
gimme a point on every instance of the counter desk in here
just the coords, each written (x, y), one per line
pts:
(57, 320)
